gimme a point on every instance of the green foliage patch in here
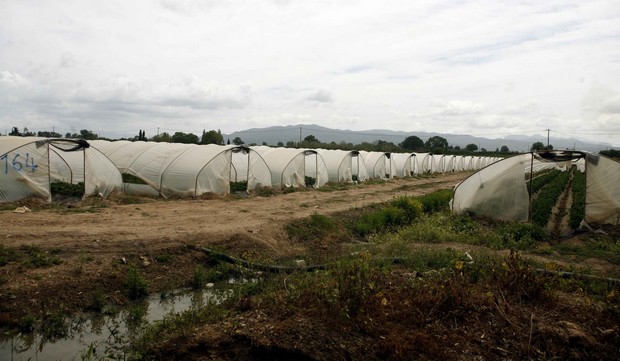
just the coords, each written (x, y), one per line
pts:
(315, 227)
(436, 201)
(7, 255)
(130, 178)
(578, 209)
(67, 189)
(397, 213)
(541, 179)
(136, 286)
(546, 199)
(241, 186)
(37, 258)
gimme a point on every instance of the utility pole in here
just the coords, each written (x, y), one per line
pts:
(158, 131)
(548, 138)
(300, 136)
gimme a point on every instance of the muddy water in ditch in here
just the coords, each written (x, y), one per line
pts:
(104, 335)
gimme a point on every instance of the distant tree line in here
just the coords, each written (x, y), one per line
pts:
(611, 153)
(434, 144)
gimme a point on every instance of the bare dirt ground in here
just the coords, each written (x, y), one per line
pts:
(94, 243)
(95, 240)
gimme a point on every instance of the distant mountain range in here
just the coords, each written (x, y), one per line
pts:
(520, 143)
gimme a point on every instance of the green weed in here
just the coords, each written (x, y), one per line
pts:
(200, 277)
(27, 323)
(53, 327)
(163, 258)
(136, 286)
(7, 255)
(397, 213)
(241, 186)
(135, 315)
(317, 226)
(436, 201)
(67, 189)
(97, 301)
(37, 258)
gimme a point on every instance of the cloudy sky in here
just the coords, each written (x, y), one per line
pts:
(488, 68)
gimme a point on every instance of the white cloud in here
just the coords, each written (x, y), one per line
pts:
(358, 64)
(10, 79)
(440, 107)
(321, 96)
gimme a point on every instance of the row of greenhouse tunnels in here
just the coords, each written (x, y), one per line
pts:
(581, 184)
(33, 166)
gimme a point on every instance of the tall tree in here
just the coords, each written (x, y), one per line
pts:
(537, 147)
(311, 139)
(504, 149)
(237, 141)
(47, 134)
(412, 143)
(186, 138)
(15, 131)
(162, 138)
(212, 137)
(471, 147)
(87, 135)
(436, 144)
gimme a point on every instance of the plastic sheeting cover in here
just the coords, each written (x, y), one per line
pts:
(602, 190)
(24, 168)
(30, 163)
(497, 192)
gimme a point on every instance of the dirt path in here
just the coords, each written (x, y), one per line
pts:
(560, 214)
(90, 242)
(161, 223)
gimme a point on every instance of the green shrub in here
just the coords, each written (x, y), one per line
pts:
(53, 327)
(163, 258)
(520, 236)
(398, 213)
(516, 276)
(541, 179)
(436, 201)
(241, 186)
(136, 286)
(67, 189)
(37, 258)
(546, 199)
(130, 178)
(413, 208)
(345, 288)
(97, 301)
(317, 226)
(7, 255)
(578, 209)
(26, 324)
(200, 277)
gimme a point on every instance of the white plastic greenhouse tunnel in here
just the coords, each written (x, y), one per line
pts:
(405, 164)
(29, 166)
(379, 165)
(183, 170)
(500, 191)
(425, 162)
(291, 167)
(344, 165)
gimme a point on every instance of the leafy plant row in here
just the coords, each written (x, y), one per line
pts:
(539, 182)
(401, 212)
(578, 209)
(547, 198)
(67, 189)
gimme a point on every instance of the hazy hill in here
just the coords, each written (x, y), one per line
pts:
(273, 135)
